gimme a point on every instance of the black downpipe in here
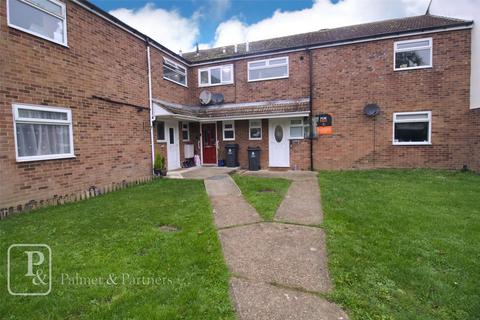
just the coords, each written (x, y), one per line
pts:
(310, 104)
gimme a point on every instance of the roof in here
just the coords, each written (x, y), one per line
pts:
(330, 36)
(234, 110)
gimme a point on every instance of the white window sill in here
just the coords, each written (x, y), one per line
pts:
(267, 79)
(179, 83)
(412, 143)
(161, 141)
(228, 139)
(49, 157)
(254, 139)
(412, 68)
(214, 85)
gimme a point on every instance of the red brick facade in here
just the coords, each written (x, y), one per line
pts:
(112, 140)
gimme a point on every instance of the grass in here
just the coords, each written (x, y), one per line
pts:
(119, 234)
(264, 194)
(404, 244)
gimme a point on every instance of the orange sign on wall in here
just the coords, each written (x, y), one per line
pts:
(324, 124)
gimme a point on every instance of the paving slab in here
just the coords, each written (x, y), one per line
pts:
(229, 207)
(261, 301)
(301, 203)
(203, 172)
(232, 210)
(290, 255)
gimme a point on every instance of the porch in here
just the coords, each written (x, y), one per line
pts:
(188, 136)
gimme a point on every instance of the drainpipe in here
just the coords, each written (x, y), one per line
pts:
(150, 102)
(310, 105)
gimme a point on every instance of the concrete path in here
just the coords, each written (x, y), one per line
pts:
(278, 270)
(229, 206)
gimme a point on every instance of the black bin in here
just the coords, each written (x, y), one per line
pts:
(232, 155)
(253, 159)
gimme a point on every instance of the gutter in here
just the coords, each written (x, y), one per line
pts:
(150, 101)
(310, 105)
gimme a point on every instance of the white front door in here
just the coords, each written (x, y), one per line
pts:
(278, 143)
(173, 146)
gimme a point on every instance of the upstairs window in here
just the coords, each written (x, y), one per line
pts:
(412, 128)
(174, 72)
(228, 130)
(43, 18)
(185, 131)
(255, 130)
(42, 133)
(215, 76)
(276, 68)
(413, 54)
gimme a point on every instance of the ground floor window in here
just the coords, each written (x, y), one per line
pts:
(412, 128)
(160, 131)
(228, 130)
(42, 133)
(255, 130)
(296, 129)
(185, 132)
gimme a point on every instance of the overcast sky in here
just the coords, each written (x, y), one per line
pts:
(179, 25)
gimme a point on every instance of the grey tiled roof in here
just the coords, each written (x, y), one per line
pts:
(227, 110)
(330, 36)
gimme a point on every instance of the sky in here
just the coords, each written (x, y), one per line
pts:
(181, 24)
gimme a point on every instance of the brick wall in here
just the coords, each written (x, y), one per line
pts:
(242, 139)
(346, 78)
(293, 87)
(111, 140)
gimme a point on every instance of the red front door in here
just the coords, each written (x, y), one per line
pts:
(209, 137)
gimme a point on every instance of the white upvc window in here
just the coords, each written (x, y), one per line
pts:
(185, 131)
(42, 133)
(255, 129)
(276, 68)
(46, 19)
(174, 72)
(412, 128)
(215, 76)
(228, 130)
(413, 54)
(296, 129)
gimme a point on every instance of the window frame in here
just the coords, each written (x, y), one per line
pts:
(250, 127)
(177, 65)
(187, 129)
(39, 35)
(267, 61)
(209, 71)
(18, 119)
(232, 122)
(164, 133)
(301, 125)
(412, 143)
(395, 50)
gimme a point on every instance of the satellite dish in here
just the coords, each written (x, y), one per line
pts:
(371, 110)
(205, 97)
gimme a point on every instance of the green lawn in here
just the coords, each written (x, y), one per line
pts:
(264, 194)
(404, 244)
(119, 234)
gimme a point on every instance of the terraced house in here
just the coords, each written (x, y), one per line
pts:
(86, 100)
